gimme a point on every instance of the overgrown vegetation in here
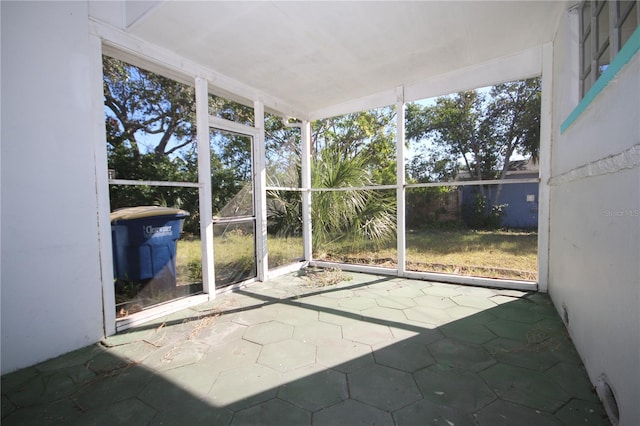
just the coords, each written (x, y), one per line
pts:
(323, 277)
(480, 215)
(352, 214)
(495, 254)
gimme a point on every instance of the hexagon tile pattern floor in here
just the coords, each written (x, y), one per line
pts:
(370, 350)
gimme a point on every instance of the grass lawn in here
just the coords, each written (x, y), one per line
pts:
(234, 262)
(234, 257)
(188, 261)
(496, 254)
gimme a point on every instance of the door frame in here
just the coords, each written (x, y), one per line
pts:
(257, 184)
(204, 122)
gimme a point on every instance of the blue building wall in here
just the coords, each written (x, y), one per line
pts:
(519, 213)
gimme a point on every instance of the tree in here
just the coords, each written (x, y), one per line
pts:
(515, 114)
(457, 131)
(151, 135)
(360, 213)
(367, 133)
(475, 132)
(141, 104)
(283, 147)
(353, 150)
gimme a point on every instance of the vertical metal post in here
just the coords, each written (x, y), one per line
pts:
(260, 192)
(305, 167)
(102, 189)
(204, 192)
(400, 182)
(546, 139)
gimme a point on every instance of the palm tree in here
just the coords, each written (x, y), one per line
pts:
(348, 153)
(350, 214)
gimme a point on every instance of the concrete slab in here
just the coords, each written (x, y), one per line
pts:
(436, 302)
(504, 413)
(459, 389)
(406, 355)
(456, 354)
(274, 412)
(344, 355)
(295, 316)
(320, 390)
(369, 350)
(230, 355)
(352, 412)
(287, 355)
(312, 332)
(245, 386)
(268, 332)
(383, 387)
(425, 412)
(472, 332)
(126, 412)
(525, 387)
(428, 315)
(367, 333)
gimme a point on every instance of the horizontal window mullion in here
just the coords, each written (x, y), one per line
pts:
(473, 182)
(355, 188)
(434, 184)
(284, 188)
(219, 220)
(231, 126)
(130, 182)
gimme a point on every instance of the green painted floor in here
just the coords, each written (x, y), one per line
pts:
(371, 350)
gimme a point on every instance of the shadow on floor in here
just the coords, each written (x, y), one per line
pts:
(379, 351)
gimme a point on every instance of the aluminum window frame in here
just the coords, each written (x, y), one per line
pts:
(593, 51)
(258, 193)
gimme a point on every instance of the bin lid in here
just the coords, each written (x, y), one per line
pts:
(139, 212)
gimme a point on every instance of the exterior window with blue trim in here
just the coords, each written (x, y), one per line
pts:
(605, 26)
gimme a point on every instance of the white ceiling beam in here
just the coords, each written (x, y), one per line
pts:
(134, 11)
(377, 100)
(526, 64)
(164, 62)
(522, 65)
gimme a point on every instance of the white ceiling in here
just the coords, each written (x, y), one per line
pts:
(313, 55)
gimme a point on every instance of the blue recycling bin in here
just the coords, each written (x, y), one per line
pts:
(144, 241)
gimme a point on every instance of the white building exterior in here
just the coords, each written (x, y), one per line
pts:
(594, 251)
(56, 275)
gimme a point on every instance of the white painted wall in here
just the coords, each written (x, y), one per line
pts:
(595, 228)
(51, 289)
